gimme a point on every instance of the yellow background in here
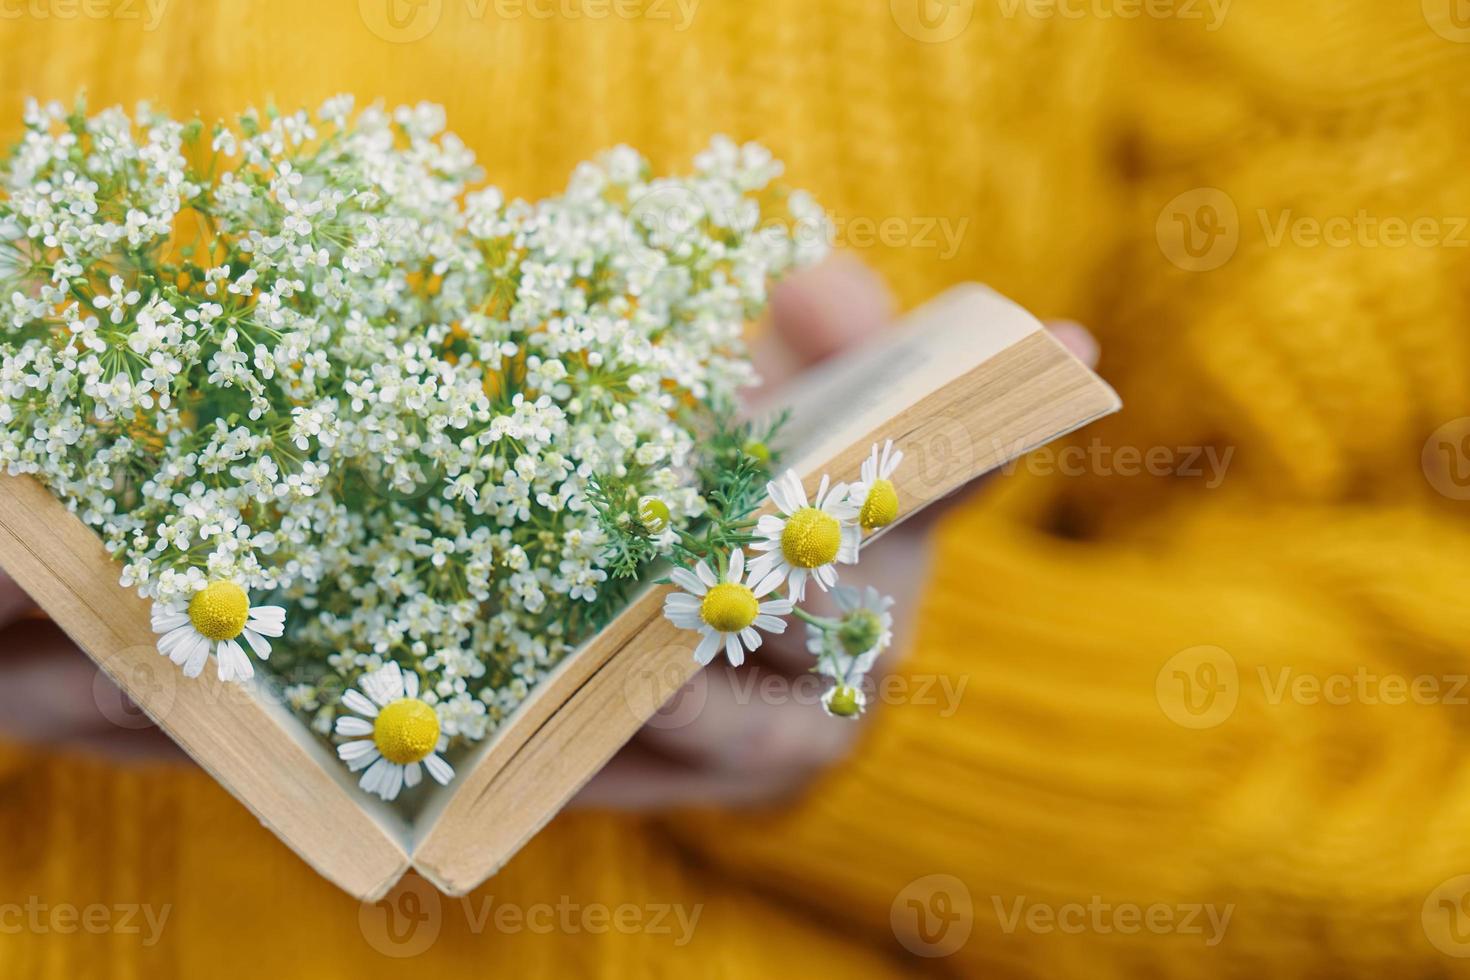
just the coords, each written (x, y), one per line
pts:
(1073, 140)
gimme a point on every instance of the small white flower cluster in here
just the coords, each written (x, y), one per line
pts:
(300, 355)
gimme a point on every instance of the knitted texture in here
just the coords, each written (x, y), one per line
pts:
(1310, 371)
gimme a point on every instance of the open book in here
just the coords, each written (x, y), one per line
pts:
(964, 385)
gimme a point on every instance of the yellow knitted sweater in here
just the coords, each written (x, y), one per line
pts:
(1064, 779)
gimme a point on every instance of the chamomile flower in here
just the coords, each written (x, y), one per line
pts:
(396, 738)
(874, 495)
(214, 621)
(864, 630)
(727, 610)
(807, 539)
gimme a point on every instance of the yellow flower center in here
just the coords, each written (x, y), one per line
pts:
(654, 514)
(407, 730)
(219, 610)
(729, 607)
(757, 451)
(881, 507)
(811, 538)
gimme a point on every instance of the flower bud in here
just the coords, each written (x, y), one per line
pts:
(653, 514)
(859, 632)
(844, 701)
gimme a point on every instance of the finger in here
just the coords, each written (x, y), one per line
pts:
(817, 313)
(1078, 340)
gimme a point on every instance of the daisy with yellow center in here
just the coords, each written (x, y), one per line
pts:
(214, 621)
(727, 611)
(874, 495)
(397, 735)
(806, 540)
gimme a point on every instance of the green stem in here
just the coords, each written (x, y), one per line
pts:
(817, 621)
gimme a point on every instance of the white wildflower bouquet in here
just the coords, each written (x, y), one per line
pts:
(403, 441)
